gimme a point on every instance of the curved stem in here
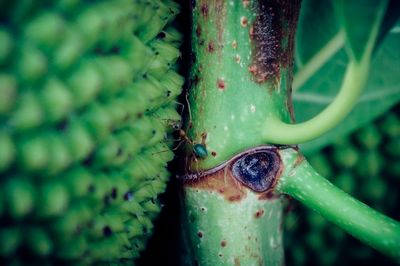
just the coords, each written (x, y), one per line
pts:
(279, 132)
(373, 228)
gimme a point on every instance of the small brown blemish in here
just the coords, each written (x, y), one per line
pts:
(237, 261)
(234, 44)
(198, 31)
(221, 83)
(234, 198)
(220, 255)
(259, 213)
(246, 3)
(203, 209)
(223, 243)
(210, 47)
(200, 234)
(251, 32)
(196, 79)
(204, 10)
(253, 69)
(213, 153)
(300, 158)
(243, 21)
(269, 195)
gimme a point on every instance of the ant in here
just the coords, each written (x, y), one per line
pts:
(198, 149)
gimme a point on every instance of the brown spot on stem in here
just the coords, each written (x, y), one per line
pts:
(251, 32)
(272, 35)
(223, 243)
(221, 83)
(213, 153)
(210, 47)
(234, 198)
(259, 213)
(198, 31)
(300, 158)
(253, 69)
(204, 9)
(196, 79)
(222, 182)
(200, 234)
(244, 21)
(270, 195)
(257, 169)
(234, 44)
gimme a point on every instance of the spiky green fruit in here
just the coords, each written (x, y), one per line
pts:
(87, 108)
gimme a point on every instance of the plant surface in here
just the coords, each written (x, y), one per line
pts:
(241, 114)
(360, 165)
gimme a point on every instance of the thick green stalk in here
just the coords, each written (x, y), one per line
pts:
(241, 73)
(243, 232)
(303, 183)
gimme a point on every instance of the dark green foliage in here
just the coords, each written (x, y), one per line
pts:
(365, 165)
(88, 92)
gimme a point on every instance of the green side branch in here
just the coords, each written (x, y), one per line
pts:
(360, 46)
(303, 183)
(277, 131)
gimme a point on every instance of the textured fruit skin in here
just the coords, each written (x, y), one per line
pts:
(364, 165)
(88, 102)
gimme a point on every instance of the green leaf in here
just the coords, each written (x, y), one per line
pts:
(390, 18)
(321, 60)
(360, 20)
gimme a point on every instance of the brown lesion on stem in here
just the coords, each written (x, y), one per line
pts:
(222, 182)
(217, 10)
(225, 179)
(272, 36)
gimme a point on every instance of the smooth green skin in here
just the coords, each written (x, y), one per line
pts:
(232, 117)
(303, 183)
(249, 240)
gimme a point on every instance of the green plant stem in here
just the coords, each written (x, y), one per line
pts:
(277, 131)
(303, 183)
(240, 74)
(244, 232)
